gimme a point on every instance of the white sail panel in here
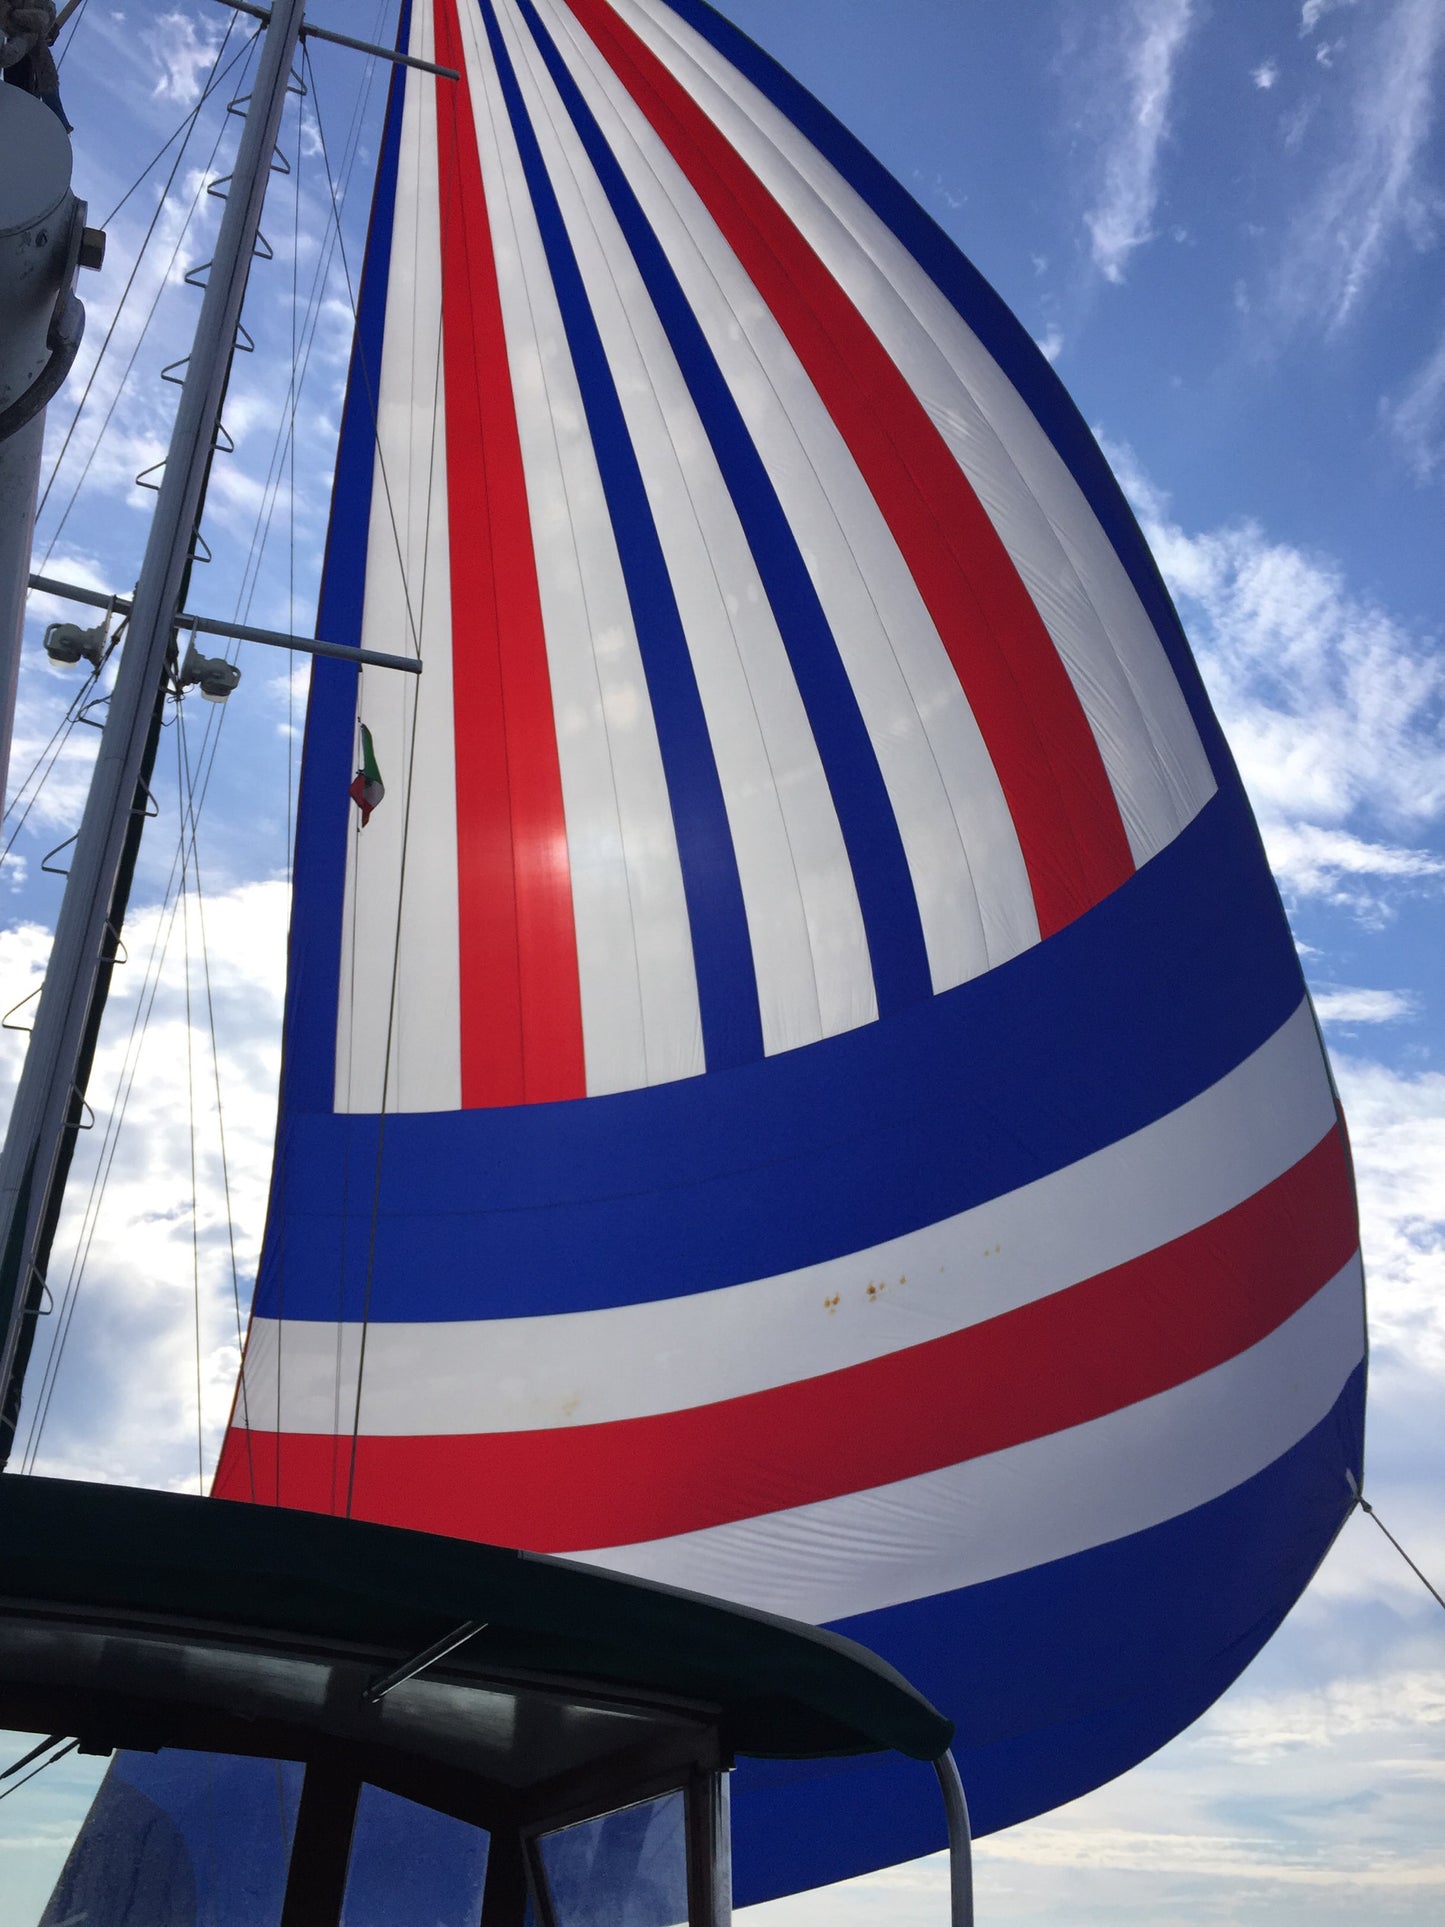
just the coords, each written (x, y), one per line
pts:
(635, 1361)
(1150, 747)
(808, 945)
(398, 1019)
(1015, 1510)
(965, 864)
(634, 948)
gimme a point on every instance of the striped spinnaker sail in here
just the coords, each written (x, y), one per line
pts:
(803, 1087)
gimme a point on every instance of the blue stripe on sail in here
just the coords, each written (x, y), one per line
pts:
(1059, 1677)
(1000, 331)
(324, 808)
(886, 896)
(722, 951)
(1143, 1002)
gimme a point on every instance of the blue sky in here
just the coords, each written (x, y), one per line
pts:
(1224, 224)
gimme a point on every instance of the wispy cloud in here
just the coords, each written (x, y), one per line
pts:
(1348, 1004)
(1265, 75)
(1334, 708)
(1378, 193)
(184, 50)
(1397, 1138)
(1415, 418)
(1354, 872)
(1051, 343)
(1255, 1817)
(1150, 38)
(139, 1425)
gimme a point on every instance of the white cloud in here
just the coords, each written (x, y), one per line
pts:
(1377, 193)
(1272, 1725)
(1333, 708)
(1349, 1004)
(184, 50)
(1416, 419)
(125, 1405)
(1051, 345)
(1285, 1806)
(1151, 38)
(1397, 1136)
(1312, 860)
(1265, 75)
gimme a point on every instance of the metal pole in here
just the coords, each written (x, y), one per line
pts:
(43, 1100)
(38, 216)
(708, 1826)
(378, 1688)
(19, 480)
(241, 631)
(960, 1842)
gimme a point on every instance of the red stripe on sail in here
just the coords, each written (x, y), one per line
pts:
(521, 1006)
(1127, 1334)
(1053, 777)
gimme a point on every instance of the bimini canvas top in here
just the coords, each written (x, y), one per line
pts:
(248, 1603)
(802, 1087)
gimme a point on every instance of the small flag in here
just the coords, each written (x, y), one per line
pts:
(368, 789)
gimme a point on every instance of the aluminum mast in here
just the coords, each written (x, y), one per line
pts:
(47, 1099)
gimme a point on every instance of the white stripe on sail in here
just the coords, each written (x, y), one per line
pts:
(1047, 1499)
(1105, 639)
(640, 1020)
(395, 938)
(792, 863)
(631, 1361)
(968, 870)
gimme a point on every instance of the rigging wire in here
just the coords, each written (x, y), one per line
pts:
(72, 20)
(125, 1084)
(411, 697)
(1363, 1503)
(213, 82)
(220, 1106)
(184, 796)
(320, 279)
(141, 1021)
(335, 205)
(35, 1752)
(181, 127)
(201, 768)
(275, 471)
(110, 1139)
(370, 396)
(69, 1747)
(338, 1365)
(210, 87)
(295, 399)
(266, 510)
(71, 716)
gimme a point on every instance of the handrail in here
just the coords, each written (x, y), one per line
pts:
(960, 1841)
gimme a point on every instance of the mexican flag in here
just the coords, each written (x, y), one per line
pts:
(368, 789)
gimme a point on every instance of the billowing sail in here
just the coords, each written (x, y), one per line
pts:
(802, 1087)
